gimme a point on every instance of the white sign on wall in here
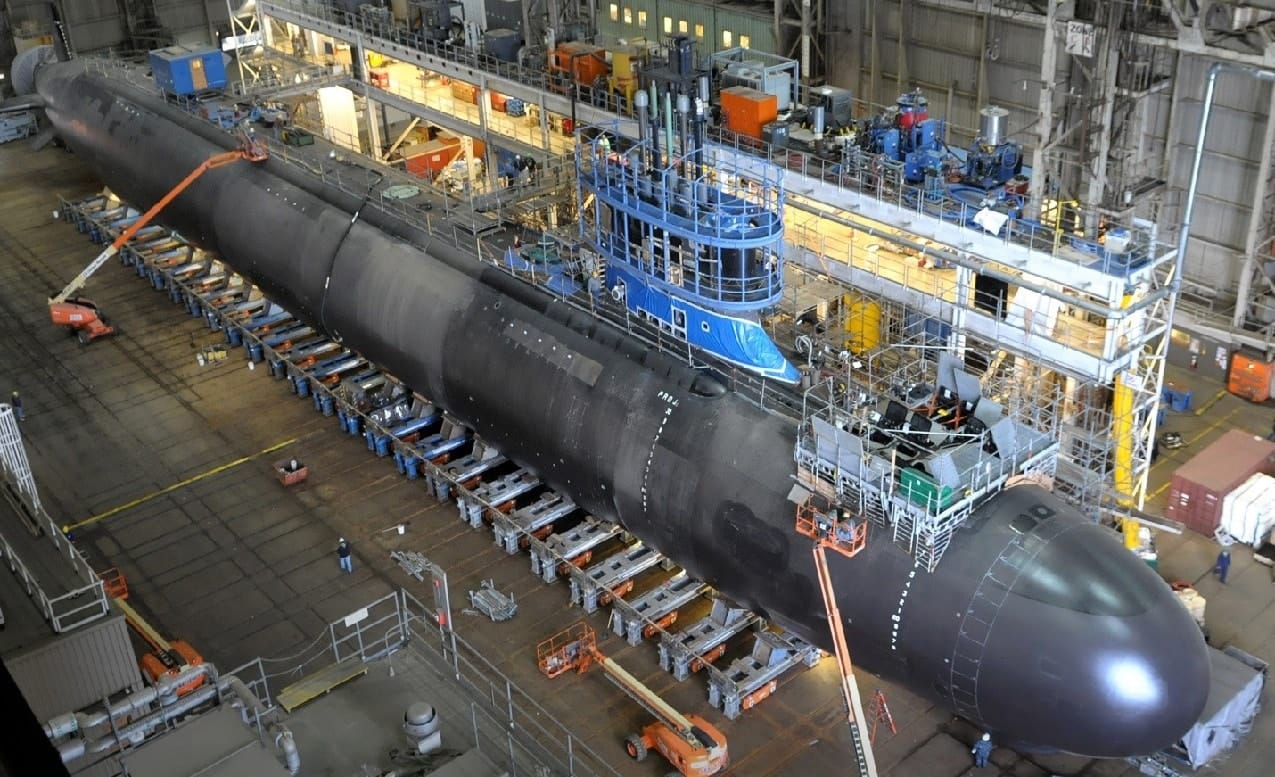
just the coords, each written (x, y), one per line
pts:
(1081, 39)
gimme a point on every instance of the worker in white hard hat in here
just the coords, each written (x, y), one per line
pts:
(982, 751)
(344, 556)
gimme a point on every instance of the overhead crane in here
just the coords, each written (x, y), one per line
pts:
(83, 316)
(691, 744)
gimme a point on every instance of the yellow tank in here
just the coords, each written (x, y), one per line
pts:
(623, 78)
(863, 323)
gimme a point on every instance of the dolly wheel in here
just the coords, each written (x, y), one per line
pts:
(83, 337)
(635, 747)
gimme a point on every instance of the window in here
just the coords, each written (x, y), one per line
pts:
(744, 41)
(668, 25)
(615, 12)
(699, 31)
(681, 27)
(642, 19)
(726, 37)
(628, 15)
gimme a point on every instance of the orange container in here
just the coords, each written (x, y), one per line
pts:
(498, 101)
(465, 92)
(1250, 377)
(745, 111)
(428, 159)
(586, 62)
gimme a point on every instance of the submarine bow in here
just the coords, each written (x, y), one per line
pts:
(1038, 625)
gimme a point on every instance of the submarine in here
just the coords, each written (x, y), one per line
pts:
(1038, 626)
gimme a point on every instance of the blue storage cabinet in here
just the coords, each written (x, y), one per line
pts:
(183, 70)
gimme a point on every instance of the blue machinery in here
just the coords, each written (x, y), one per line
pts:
(683, 240)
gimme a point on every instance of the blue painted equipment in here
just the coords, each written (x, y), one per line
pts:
(687, 244)
(182, 70)
(992, 159)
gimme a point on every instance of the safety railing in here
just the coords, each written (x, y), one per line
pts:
(77, 605)
(870, 179)
(506, 724)
(1085, 250)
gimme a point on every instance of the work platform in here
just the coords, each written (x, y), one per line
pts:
(241, 568)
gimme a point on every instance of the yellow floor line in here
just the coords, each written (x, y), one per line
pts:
(175, 486)
(1196, 438)
(1205, 407)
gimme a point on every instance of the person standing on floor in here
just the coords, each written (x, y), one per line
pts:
(982, 750)
(343, 555)
(1223, 565)
(16, 402)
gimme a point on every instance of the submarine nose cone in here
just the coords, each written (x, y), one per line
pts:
(1105, 661)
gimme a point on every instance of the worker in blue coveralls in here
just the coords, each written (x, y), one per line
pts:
(1223, 565)
(343, 555)
(982, 750)
(16, 402)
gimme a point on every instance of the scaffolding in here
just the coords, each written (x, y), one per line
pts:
(909, 441)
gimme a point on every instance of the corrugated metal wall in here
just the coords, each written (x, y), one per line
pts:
(1229, 171)
(655, 19)
(99, 24)
(941, 57)
(77, 669)
(189, 20)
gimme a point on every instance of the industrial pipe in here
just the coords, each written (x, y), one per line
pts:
(688, 142)
(668, 126)
(165, 689)
(282, 736)
(135, 731)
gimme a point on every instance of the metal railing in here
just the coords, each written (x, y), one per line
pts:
(867, 179)
(506, 724)
(77, 606)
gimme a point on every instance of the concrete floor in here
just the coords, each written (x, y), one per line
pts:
(160, 462)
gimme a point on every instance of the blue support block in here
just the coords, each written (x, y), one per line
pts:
(1181, 401)
(369, 435)
(277, 368)
(234, 335)
(383, 446)
(327, 405)
(400, 462)
(255, 352)
(411, 467)
(352, 424)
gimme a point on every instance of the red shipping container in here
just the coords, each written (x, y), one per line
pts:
(498, 101)
(427, 160)
(1199, 487)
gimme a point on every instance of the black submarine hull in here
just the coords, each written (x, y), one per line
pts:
(1037, 625)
